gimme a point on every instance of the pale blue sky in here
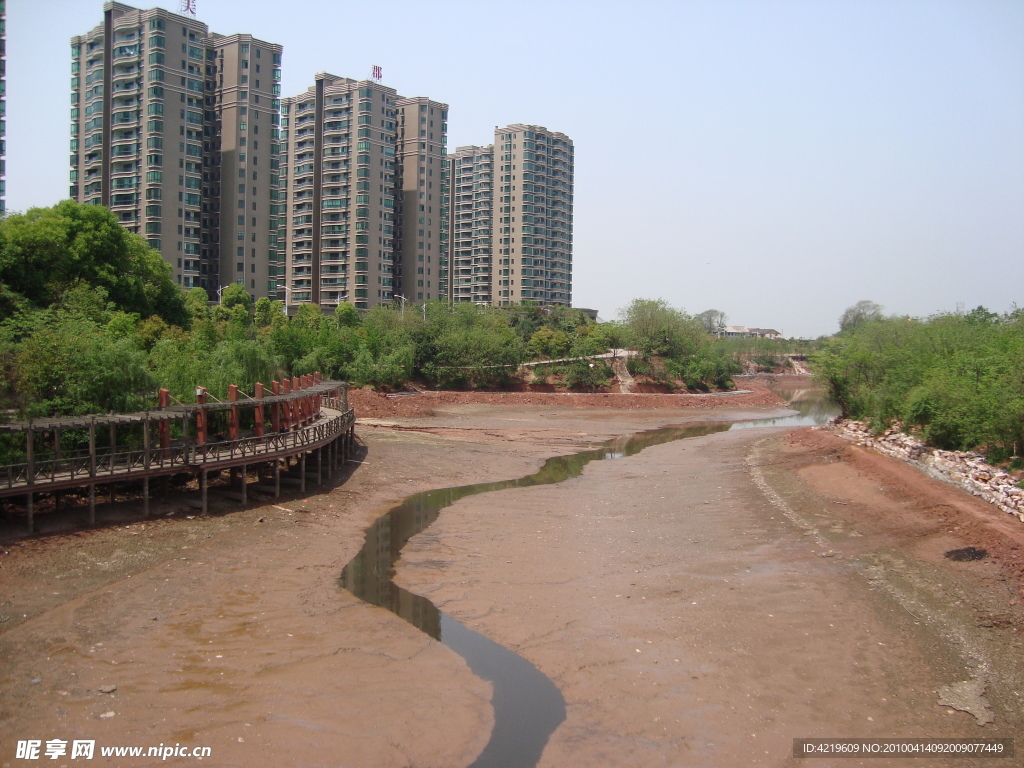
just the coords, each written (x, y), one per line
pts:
(777, 160)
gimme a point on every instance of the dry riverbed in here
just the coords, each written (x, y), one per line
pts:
(703, 603)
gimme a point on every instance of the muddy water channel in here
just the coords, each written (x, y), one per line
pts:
(528, 707)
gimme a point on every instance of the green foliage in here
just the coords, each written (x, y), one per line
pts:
(688, 353)
(467, 345)
(182, 364)
(589, 375)
(640, 366)
(388, 351)
(45, 252)
(67, 364)
(655, 328)
(266, 311)
(347, 316)
(235, 295)
(860, 313)
(196, 304)
(958, 379)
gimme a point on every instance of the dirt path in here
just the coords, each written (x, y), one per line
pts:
(701, 603)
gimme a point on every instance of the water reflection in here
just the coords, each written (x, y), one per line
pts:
(812, 407)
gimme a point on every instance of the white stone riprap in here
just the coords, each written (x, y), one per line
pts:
(964, 469)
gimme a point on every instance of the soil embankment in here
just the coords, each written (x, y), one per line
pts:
(701, 603)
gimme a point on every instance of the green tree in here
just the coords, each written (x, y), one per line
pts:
(956, 379)
(713, 320)
(46, 251)
(347, 315)
(468, 344)
(196, 301)
(656, 328)
(235, 295)
(69, 365)
(860, 313)
(266, 311)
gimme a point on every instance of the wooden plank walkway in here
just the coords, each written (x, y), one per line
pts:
(328, 432)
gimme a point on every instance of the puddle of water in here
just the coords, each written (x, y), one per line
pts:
(528, 707)
(812, 407)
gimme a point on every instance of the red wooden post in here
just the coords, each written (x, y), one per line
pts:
(233, 414)
(297, 403)
(201, 427)
(275, 414)
(164, 400)
(286, 423)
(260, 417)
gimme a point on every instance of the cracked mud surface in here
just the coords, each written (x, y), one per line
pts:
(701, 603)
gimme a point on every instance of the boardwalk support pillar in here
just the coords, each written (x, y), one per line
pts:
(202, 489)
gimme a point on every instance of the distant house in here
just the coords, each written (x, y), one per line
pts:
(742, 331)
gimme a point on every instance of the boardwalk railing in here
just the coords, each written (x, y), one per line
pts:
(311, 418)
(79, 467)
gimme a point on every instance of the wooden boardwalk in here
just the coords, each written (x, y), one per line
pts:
(313, 420)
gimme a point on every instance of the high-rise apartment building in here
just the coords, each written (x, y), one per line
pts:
(422, 201)
(362, 173)
(471, 232)
(511, 219)
(174, 129)
(3, 107)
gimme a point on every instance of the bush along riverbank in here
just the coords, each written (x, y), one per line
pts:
(956, 381)
(965, 469)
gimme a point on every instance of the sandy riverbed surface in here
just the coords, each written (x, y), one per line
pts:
(701, 603)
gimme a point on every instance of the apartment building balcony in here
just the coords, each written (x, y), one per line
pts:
(124, 199)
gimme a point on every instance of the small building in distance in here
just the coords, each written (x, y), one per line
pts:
(742, 331)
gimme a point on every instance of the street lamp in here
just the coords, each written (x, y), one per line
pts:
(287, 295)
(401, 298)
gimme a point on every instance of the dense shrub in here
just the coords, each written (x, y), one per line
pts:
(956, 378)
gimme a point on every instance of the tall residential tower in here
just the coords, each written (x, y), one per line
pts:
(173, 128)
(511, 219)
(362, 171)
(3, 106)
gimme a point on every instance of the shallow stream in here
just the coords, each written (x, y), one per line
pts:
(528, 707)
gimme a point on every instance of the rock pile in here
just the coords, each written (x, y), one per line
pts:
(964, 469)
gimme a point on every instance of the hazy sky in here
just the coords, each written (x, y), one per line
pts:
(777, 160)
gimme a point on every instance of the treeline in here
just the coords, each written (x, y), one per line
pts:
(91, 322)
(957, 379)
(83, 355)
